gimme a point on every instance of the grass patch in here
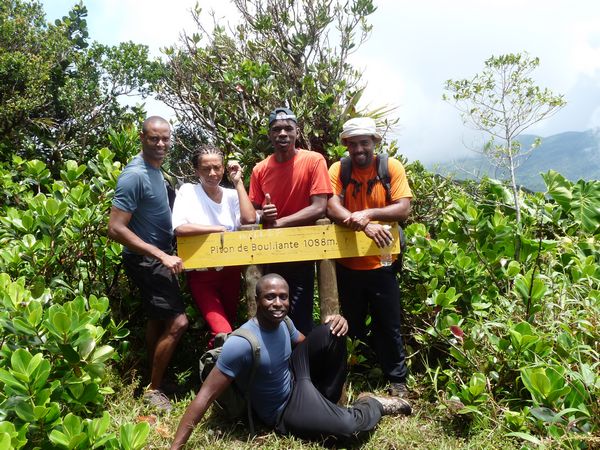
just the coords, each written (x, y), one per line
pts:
(426, 429)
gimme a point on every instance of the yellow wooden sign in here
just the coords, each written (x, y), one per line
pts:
(277, 245)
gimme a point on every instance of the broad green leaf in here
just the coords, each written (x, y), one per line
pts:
(544, 414)
(8, 379)
(61, 322)
(72, 424)
(102, 353)
(86, 346)
(52, 207)
(24, 327)
(5, 442)
(39, 412)
(541, 383)
(581, 200)
(559, 188)
(28, 241)
(133, 437)
(20, 360)
(59, 438)
(70, 354)
(24, 411)
(585, 205)
(513, 269)
(525, 437)
(539, 289)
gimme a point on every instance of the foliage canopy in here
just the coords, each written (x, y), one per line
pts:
(59, 92)
(222, 84)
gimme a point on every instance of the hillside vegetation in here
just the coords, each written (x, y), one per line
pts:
(575, 154)
(497, 344)
(502, 319)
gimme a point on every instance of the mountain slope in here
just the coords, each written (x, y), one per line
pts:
(574, 154)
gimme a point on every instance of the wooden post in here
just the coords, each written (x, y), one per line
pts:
(252, 274)
(328, 291)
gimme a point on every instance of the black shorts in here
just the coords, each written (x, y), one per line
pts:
(158, 286)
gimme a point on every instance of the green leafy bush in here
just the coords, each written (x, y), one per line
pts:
(56, 269)
(512, 342)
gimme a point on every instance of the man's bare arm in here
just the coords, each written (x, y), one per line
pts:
(396, 212)
(336, 211)
(215, 384)
(118, 231)
(361, 220)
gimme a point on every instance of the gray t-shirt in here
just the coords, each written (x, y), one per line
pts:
(141, 191)
(272, 383)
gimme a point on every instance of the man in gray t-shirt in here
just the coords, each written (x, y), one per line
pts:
(299, 380)
(140, 219)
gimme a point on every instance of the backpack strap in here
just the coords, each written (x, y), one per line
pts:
(289, 324)
(383, 175)
(346, 178)
(253, 340)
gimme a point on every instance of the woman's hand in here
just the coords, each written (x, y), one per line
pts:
(234, 171)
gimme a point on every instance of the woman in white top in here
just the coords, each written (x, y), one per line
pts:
(210, 208)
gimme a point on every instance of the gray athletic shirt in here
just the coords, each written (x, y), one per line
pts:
(272, 383)
(141, 191)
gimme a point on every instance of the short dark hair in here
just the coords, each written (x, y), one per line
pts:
(205, 149)
(266, 278)
(153, 119)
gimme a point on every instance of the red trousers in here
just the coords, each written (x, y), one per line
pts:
(217, 295)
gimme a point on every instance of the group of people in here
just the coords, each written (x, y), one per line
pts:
(299, 383)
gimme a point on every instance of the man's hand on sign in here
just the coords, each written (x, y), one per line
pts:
(357, 221)
(379, 234)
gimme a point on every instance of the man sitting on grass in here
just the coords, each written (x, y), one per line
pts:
(294, 391)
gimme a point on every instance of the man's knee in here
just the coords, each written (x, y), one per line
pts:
(177, 325)
(322, 333)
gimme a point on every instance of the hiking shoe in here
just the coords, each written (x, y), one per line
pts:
(158, 399)
(170, 387)
(398, 390)
(391, 405)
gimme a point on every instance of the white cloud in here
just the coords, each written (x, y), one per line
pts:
(414, 48)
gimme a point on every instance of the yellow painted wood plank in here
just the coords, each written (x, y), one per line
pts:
(276, 245)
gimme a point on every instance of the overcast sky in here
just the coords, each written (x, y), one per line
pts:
(414, 47)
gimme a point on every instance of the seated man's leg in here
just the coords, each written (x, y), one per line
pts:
(321, 358)
(311, 411)
(309, 415)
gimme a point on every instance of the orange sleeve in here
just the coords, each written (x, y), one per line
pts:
(399, 182)
(334, 176)
(320, 182)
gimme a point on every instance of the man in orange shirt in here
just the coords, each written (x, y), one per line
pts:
(290, 188)
(364, 285)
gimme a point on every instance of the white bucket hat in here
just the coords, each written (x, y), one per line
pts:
(360, 126)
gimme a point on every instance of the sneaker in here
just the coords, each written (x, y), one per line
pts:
(398, 390)
(391, 405)
(170, 387)
(158, 399)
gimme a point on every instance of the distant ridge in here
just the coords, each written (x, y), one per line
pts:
(574, 154)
